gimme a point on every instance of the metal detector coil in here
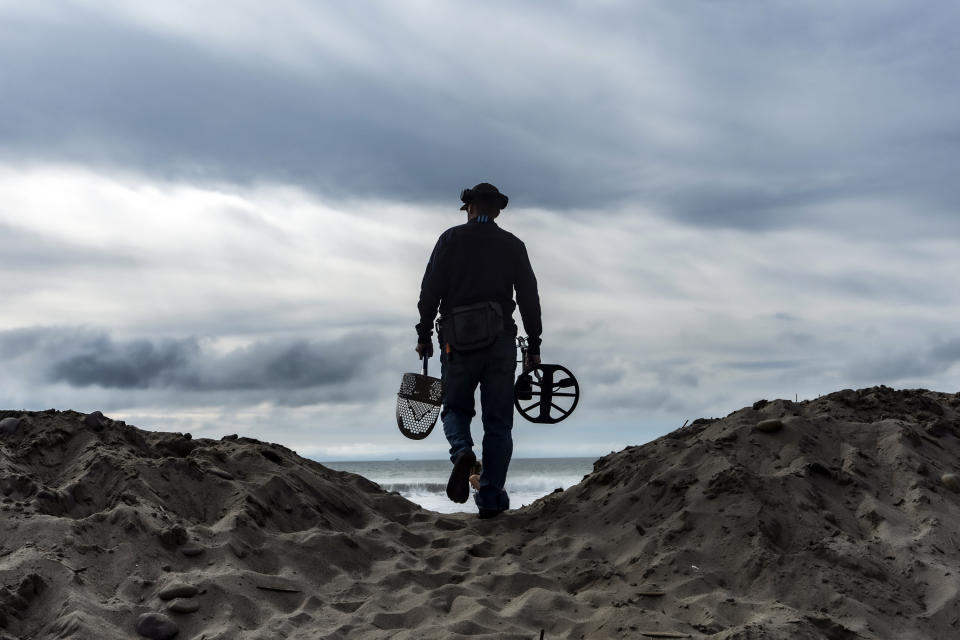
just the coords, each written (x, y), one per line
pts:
(418, 403)
(546, 393)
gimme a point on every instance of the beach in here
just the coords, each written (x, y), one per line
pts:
(424, 482)
(829, 518)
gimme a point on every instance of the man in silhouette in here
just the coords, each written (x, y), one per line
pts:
(471, 277)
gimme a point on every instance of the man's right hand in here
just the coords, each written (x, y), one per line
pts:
(424, 349)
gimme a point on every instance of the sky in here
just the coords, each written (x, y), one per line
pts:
(216, 221)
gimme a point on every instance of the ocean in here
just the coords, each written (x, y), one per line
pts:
(425, 481)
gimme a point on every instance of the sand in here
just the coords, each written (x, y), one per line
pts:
(834, 518)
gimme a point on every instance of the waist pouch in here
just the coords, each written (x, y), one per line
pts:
(472, 326)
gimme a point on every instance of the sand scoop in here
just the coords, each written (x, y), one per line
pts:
(418, 403)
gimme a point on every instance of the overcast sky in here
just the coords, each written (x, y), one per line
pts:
(216, 221)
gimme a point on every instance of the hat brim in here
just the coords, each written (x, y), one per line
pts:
(497, 198)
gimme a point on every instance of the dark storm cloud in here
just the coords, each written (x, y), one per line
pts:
(285, 364)
(717, 116)
(98, 93)
(296, 368)
(100, 361)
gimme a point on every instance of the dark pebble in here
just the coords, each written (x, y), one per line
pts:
(45, 494)
(271, 455)
(9, 425)
(191, 549)
(220, 473)
(174, 537)
(178, 590)
(951, 481)
(184, 606)
(770, 426)
(157, 626)
(95, 420)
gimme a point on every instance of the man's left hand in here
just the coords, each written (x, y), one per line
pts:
(531, 361)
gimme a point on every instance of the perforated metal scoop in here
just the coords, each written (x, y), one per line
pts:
(418, 403)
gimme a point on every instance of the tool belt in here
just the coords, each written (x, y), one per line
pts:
(473, 326)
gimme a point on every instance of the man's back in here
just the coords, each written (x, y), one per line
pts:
(482, 261)
(479, 262)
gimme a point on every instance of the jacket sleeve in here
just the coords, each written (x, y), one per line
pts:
(528, 301)
(432, 289)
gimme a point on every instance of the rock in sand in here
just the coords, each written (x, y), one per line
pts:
(951, 481)
(9, 425)
(95, 420)
(184, 606)
(770, 426)
(157, 626)
(178, 590)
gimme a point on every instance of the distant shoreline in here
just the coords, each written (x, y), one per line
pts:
(516, 458)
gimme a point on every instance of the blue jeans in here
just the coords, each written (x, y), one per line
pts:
(493, 368)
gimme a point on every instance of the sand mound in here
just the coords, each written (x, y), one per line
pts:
(835, 518)
(823, 519)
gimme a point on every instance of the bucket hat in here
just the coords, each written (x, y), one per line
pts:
(483, 192)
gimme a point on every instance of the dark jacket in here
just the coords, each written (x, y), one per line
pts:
(480, 262)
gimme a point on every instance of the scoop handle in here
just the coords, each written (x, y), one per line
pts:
(424, 370)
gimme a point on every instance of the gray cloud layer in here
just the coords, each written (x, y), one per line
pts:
(712, 114)
(84, 357)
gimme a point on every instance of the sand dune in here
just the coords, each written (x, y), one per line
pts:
(834, 518)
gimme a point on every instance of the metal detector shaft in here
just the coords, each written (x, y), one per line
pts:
(523, 353)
